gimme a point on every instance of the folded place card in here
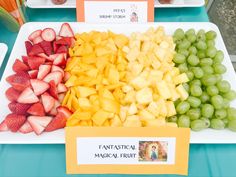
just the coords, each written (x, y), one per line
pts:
(102, 150)
(115, 11)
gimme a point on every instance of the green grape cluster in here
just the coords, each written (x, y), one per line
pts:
(209, 95)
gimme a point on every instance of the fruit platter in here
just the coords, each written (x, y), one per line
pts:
(148, 75)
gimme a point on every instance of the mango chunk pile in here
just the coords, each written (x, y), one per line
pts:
(117, 80)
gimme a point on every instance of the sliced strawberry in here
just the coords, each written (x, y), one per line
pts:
(63, 41)
(48, 102)
(43, 71)
(53, 89)
(27, 96)
(61, 88)
(57, 123)
(43, 55)
(28, 47)
(18, 108)
(36, 110)
(48, 34)
(39, 123)
(34, 34)
(56, 76)
(35, 62)
(25, 59)
(19, 81)
(26, 128)
(55, 46)
(3, 126)
(62, 49)
(53, 112)
(33, 74)
(64, 110)
(47, 47)
(66, 30)
(39, 86)
(66, 76)
(19, 66)
(48, 63)
(57, 68)
(37, 40)
(36, 49)
(60, 60)
(14, 121)
(12, 94)
(61, 97)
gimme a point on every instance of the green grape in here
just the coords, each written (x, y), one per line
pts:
(182, 107)
(219, 57)
(183, 67)
(186, 86)
(198, 72)
(210, 35)
(232, 125)
(185, 44)
(212, 90)
(194, 102)
(194, 114)
(208, 80)
(201, 35)
(210, 43)
(217, 124)
(231, 113)
(211, 52)
(226, 121)
(192, 38)
(193, 60)
(184, 52)
(226, 103)
(218, 77)
(179, 34)
(204, 97)
(172, 119)
(217, 101)
(196, 82)
(201, 45)
(190, 32)
(206, 62)
(207, 69)
(190, 75)
(179, 58)
(198, 125)
(230, 95)
(220, 113)
(195, 90)
(184, 121)
(192, 50)
(207, 110)
(207, 122)
(223, 86)
(219, 68)
(201, 54)
(177, 102)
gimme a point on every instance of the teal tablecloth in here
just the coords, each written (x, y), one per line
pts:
(49, 160)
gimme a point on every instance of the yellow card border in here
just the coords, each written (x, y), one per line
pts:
(81, 15)
(182, 136)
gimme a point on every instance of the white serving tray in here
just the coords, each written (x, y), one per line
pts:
(3, 51)
(57, 137)
(72, 4)
(181, 3)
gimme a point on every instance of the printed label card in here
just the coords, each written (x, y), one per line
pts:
(101, 150)
(115, 11)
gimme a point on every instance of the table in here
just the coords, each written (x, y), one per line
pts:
(49, 160)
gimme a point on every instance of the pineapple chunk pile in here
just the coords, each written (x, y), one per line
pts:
(117, 80)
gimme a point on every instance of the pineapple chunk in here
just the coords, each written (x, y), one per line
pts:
(139, 82)
(154, 108)
(109, 105)
(170, 108)
(100, 117)
(132, 121)
(182, 92)
(113, 76)
(123, 113)
(130, 96)
(145, 115)
(155, 123)
(116, 122)
(182, 78)
(171, 124)
(84, 103)
(132, 109)
(163, 89)
(144, 96)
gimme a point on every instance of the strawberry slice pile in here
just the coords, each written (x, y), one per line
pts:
(37, 86)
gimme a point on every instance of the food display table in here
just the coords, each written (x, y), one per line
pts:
(49, 160)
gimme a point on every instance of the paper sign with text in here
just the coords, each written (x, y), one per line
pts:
(101, 150)
(115, 11)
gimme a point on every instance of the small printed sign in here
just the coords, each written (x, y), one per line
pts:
(115, 11)
(101, 150)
